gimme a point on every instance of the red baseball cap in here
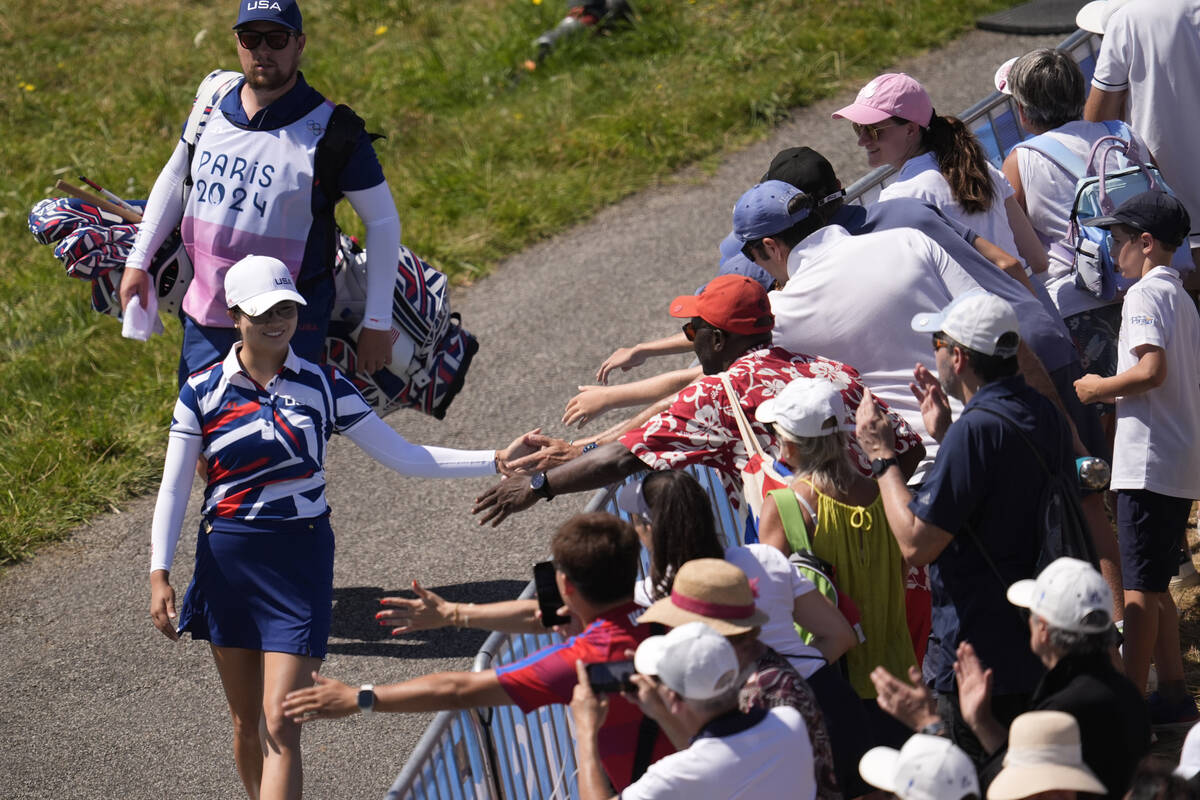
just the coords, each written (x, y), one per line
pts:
(732, 303)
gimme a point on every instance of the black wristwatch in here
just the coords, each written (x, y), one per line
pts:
(366, 698)
(540, 486)
(880, 465)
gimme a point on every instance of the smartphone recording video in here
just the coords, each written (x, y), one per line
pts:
(549, 600)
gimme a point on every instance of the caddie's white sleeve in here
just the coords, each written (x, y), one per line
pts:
(378, 440)
(378, 212)
(164, 210)
(178, 468)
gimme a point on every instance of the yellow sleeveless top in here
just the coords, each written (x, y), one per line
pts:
(858, 542)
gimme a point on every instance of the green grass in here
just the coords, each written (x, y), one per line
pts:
(481, 165)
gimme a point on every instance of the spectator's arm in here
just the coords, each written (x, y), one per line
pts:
(593, 401)
(1103, 105)
(328, 698)
(1003, 261)
(1029, 246)
(626, 358)
(770, 527)
(1148, 373)
(974, 682)
(588, 711)
(920, 542)
(1012, 172)
(832, 634)
(429, 611)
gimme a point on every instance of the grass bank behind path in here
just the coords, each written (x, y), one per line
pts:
(481, 164)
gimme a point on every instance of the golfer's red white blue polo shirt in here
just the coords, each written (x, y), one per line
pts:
(265, 446)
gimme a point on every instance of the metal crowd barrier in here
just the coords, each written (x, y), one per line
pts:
(503, 754)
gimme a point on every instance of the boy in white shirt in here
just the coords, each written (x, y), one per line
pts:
(1156, 457)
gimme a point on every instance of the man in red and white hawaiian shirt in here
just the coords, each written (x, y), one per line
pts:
(729, 325)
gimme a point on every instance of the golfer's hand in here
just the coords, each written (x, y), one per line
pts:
(162, 603)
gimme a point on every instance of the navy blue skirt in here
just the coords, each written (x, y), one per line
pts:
(262, 586)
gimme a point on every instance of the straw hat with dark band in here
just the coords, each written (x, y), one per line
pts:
(712, 591)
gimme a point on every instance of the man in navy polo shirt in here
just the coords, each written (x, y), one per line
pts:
(254, 191)
(974, 519)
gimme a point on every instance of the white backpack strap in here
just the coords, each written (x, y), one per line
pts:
(1058, 153)
(209, 94)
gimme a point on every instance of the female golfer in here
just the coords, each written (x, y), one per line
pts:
(262, 589)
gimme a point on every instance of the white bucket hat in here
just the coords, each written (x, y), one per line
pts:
(1044, 755)
(925, 768)
(256, 283)
(1070, 594)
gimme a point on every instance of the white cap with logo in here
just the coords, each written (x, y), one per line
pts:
(806, 408)
(692, 660)
(256, 283)
(1069, 594)
(925, 768)
(977, 320)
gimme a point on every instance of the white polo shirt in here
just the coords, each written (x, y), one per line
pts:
(852, 298)
(1157, 446)
(1152, 49)
(921, 178)
(769, 759)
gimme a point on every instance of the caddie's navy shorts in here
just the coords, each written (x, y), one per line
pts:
(262, 586)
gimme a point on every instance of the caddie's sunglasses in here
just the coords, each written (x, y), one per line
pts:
(284, 310)
(873, 130)
(940, 342)
(276, 40)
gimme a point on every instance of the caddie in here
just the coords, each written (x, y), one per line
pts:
(253, 166)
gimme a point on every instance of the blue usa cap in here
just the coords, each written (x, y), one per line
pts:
(769, 208)
(281, 12)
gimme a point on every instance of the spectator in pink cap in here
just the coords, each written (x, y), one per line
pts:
(939, 161)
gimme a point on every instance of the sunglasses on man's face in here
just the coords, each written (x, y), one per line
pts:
(689, 330)
(276, 40)
(873, 130)
(940, 342)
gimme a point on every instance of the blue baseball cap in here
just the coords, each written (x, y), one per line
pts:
(281, 12)
(769, 208)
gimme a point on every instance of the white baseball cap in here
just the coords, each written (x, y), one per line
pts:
(977, 320)
(1067, 594)
(925, 768)
(806, 408)
(256, 283)
(693, 660)
(1189, 757)
(1094, 16)
(1044, 755)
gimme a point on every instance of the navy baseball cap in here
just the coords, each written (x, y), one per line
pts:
(1155, 212)
(806, 169)
(281, 12)
(769, 208)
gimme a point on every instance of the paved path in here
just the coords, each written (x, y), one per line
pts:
(97, 703)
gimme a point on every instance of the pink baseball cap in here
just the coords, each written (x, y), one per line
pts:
(891, 95)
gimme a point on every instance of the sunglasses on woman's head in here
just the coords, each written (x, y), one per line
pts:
(873, 130)
(276, 40)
